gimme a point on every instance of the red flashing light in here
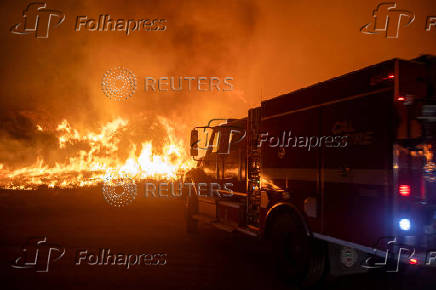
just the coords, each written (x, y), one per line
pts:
(401, 99)
(404, 190)
(391, 76)
(413, 261)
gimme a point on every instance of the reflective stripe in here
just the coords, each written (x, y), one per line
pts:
(305, 174)
(327, 103)
(343, 243)
(356, 176)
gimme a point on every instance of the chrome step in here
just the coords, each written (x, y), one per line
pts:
(231, 204)
(203, 218)
(248, 231)
(224, 227)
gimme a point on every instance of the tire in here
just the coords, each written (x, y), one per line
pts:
(191, 208)
(298, 258)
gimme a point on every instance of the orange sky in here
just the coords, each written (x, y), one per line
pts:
(269, 47)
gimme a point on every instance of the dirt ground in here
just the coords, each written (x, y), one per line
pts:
(82, 220)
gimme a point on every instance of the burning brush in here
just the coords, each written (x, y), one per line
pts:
(86, 158)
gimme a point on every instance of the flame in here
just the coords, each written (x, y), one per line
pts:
(265, 182)
(95, 165)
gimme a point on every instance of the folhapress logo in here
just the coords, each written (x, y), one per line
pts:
(387, 19)
(37, 254)
(38, 19)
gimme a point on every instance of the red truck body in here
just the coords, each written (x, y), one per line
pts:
(350, 158)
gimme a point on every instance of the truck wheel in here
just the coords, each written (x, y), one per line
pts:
(298, 259)
(190, 209)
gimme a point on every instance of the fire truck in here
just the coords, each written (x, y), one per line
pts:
(332, 175)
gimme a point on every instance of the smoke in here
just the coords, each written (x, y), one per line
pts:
(47, 81)
(268, 48)
(20, 141)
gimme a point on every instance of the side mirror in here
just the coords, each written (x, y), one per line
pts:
(194, 142)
